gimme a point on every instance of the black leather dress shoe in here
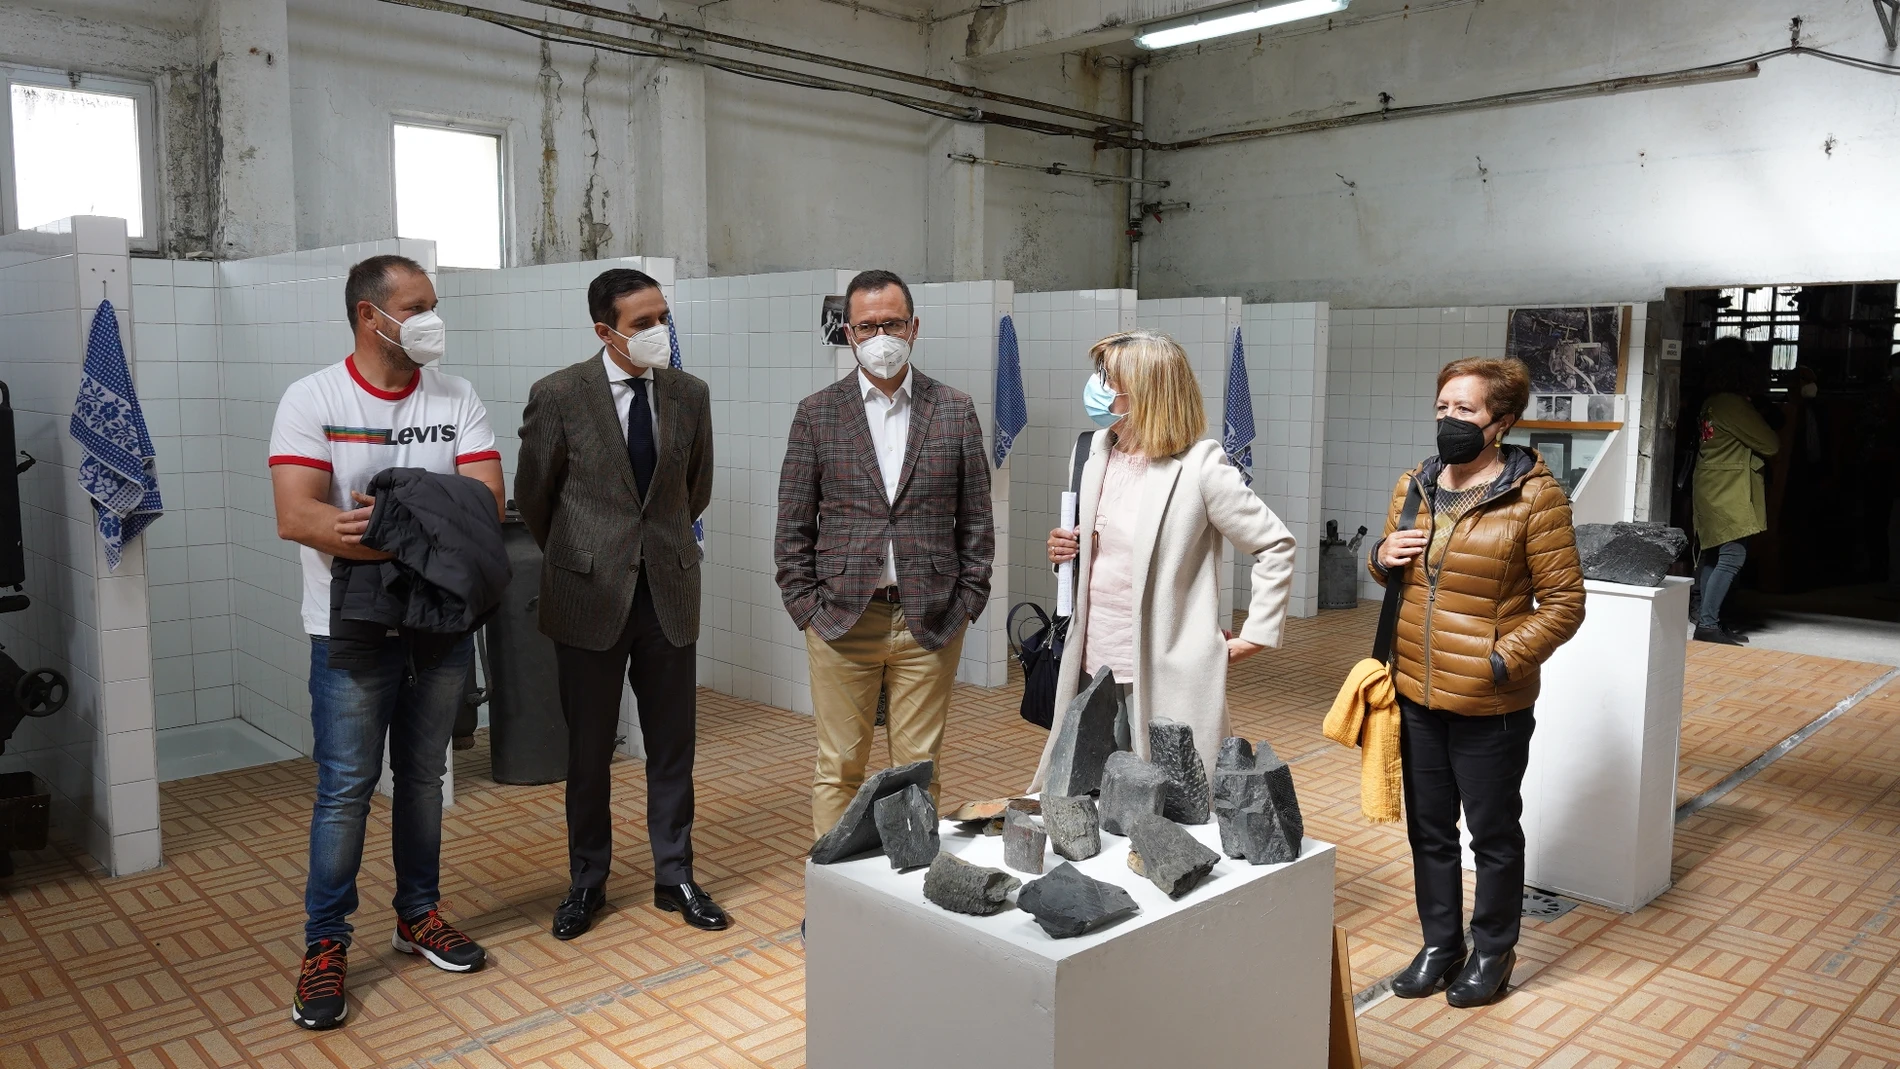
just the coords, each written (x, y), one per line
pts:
(1429, 973)
(691, 901)
(576, 912)
(1484, 979)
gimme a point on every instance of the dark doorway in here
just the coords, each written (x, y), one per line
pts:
(1833, 486)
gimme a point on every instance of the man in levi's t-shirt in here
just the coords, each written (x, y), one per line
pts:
(380, 407)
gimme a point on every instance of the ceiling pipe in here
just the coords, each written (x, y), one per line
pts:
(944, 85)
(1137, 163)
(1058, 169)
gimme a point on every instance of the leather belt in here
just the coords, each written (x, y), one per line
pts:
(887, 593)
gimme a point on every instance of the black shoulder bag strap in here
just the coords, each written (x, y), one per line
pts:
(1394, 583)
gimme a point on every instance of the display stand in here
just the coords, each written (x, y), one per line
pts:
(1235, 972)
(1600, 793)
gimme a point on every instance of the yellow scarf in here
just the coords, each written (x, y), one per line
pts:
(1366, 715)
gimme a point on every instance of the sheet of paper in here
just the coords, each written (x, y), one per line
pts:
(1065, 573)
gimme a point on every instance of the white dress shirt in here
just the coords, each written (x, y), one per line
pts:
(889, 418)
(621, 384)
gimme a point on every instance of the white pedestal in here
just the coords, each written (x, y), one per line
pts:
(1235, 972)
(1600, 793)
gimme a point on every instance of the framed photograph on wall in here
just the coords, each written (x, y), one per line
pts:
(831, 322)
(1580, 350)
(1552, 407)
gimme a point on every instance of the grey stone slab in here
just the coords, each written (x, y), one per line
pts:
(1131, 788)
(907, 827)
(1024, 842)
(1171, 749)
(1085, 739)
(961, 887)
(1635, 554)
(1169, 855)
(856, 832)
(1254, 800)
(1074, 827)
(1068, 902)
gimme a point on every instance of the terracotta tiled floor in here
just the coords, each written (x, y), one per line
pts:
(1776, 946)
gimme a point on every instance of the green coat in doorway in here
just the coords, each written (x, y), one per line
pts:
(1731, 499)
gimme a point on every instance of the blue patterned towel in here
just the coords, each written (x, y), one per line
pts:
(118, 472)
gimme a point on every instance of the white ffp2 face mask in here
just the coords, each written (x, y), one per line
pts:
(422, 337)
(652, 347)
(884, 356)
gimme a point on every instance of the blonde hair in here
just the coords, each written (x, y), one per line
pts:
(1165, 414)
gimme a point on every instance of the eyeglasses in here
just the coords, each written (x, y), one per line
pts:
(868, 329)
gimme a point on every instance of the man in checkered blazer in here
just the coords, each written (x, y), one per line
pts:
(884, 544)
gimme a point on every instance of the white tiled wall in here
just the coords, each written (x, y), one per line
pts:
(181, 384)
(87, 622)
(1054, 332)
(1286, 369)
(1381, 382)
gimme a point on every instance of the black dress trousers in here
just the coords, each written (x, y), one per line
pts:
(1474, 763)
(663, 680)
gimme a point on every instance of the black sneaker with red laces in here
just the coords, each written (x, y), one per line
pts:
(439, 941)
(319, 1003)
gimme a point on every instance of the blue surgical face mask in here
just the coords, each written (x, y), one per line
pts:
(1097, 398)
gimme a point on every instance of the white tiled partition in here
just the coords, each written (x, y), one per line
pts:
(1286, 370)
(1381, 381)
(1054, 332)
(85, 621)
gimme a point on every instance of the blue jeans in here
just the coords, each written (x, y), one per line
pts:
(350, 713)
(1720, 565)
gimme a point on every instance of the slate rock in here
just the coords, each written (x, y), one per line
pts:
(1075, 830)
(961, 887)
(1068, 903)
(907, 826)
(1085, 740)
(1024, 842)
(1171, 749)
(1635, 554)
(1254, 800)
(856, 832)
(1170, 855)
(1131, 788)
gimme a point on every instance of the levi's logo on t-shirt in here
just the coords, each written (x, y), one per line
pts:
(441, 432)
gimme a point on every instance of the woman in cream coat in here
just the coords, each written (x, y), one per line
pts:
(1156, 500)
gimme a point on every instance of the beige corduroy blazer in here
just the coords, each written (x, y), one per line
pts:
(1189, 502)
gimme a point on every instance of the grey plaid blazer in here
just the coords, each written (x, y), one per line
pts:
(574, 486)
(834, 521)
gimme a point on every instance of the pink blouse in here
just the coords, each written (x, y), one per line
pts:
(1110, 635)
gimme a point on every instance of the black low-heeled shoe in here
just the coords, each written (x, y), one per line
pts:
(1429, 973)
(575, 915)
(691, 901)
(1485, 978)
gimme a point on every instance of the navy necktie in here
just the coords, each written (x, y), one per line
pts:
(640, 447)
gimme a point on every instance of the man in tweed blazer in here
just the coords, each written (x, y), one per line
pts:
(616, 461)
(884, 544)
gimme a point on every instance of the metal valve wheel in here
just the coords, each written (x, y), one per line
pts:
(42, 692)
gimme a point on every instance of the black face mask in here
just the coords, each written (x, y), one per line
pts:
(1460, 441)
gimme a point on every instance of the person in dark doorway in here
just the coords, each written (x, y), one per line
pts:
(616, 461)
(1731, 497)
(1890, 447)
(1492, 586)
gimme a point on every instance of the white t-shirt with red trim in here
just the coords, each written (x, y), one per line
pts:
(334, 420)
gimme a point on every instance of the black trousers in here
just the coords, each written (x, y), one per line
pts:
(662, 675)
(1473, 763)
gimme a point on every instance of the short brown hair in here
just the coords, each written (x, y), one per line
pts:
(1507, 383)
(1165, 414)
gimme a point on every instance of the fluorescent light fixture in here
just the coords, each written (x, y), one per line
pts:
(1226, 20)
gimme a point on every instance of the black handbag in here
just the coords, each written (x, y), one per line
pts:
(1040, 653)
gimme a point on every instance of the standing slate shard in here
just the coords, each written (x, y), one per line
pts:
(1171, 749)
(961, 887)
(1075, 830)
(856, 832)
(1131, 788)
(1068, 903)
(1023, 842)
(1169, 855)
(1635, 554)
(1254, 799)
(907, 826)
(1085, 740)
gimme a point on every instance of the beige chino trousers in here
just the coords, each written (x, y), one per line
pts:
(878, 652)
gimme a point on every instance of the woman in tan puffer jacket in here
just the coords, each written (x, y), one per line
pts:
(1492, 587)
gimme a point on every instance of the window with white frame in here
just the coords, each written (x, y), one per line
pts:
(448, 190)
(77, 144)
